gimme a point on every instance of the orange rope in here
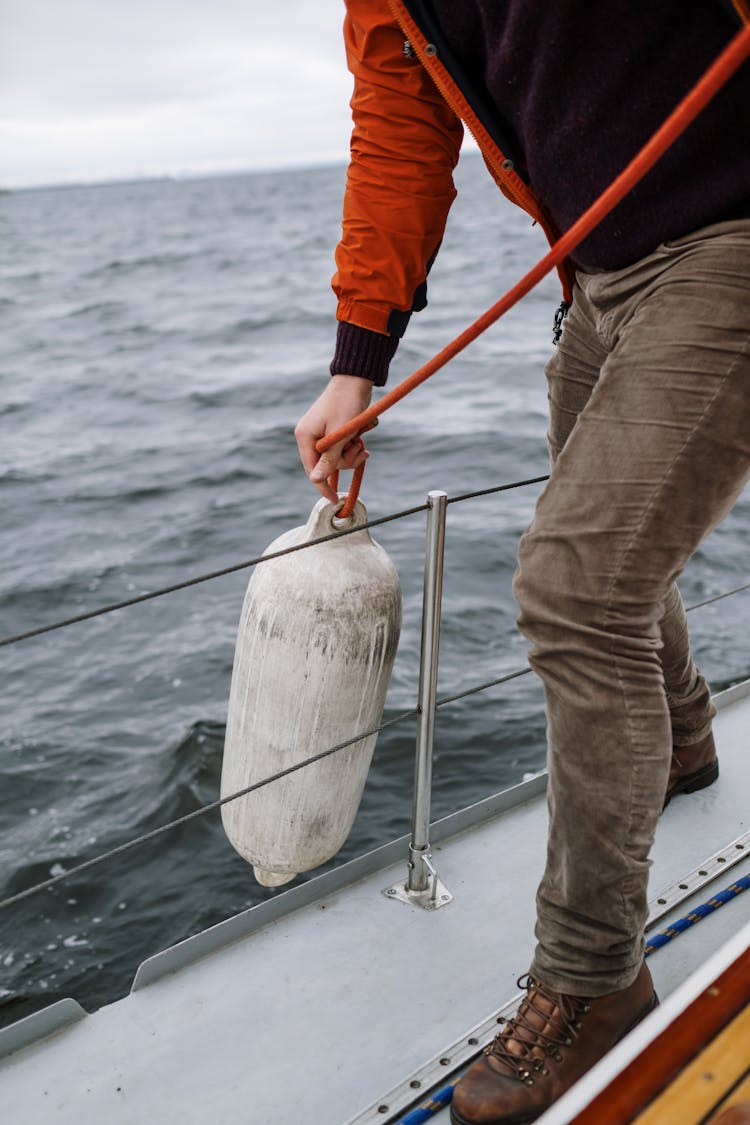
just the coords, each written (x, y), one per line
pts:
(730, 59)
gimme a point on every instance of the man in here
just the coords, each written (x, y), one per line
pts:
(649, 428)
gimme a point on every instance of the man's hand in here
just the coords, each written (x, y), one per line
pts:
(344, 398)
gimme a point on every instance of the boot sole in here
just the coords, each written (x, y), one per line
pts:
(457, 1119)
(701, 779)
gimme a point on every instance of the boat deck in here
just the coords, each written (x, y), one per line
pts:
(315, 1006)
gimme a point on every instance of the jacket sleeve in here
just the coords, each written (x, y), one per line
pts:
(399, 188)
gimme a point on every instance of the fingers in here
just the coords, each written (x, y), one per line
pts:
(348, 457)
(319, 467)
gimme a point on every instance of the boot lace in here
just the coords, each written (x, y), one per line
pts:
(545, 1023)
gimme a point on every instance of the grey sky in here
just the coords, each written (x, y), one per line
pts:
(102, 89)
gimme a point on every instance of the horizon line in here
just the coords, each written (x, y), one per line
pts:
(186, 173)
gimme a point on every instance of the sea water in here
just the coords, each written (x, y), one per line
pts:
(159, 339)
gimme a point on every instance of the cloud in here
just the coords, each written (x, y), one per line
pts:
(95, 90)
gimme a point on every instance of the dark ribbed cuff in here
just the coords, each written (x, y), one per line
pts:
(362, 352)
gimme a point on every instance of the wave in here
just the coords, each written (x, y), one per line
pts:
(164, 259)
(97, 308)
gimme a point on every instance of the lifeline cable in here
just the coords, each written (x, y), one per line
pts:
(89, 614)
(47, 884)
(186, 583)
(442, 702)
(717, 597)
(442, 1097)
(120, 849)
(175, 587)
(720, 71)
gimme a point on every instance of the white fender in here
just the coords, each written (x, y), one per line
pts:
(315, 648)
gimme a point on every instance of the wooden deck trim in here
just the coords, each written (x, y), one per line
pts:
(704, 1085)
(673, 1049)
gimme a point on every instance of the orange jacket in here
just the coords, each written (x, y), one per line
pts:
(405, 144)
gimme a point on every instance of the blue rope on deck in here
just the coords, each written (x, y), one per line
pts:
(664, 936)
(424, 1112)
(442, 1098)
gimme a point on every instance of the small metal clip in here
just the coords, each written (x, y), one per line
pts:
(560, 314)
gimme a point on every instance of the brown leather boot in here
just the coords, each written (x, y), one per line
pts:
(693, 767)
(550, 1042)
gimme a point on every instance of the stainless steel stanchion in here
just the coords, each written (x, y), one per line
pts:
(423, 887)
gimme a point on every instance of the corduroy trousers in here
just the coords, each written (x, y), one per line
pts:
(649, 394)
